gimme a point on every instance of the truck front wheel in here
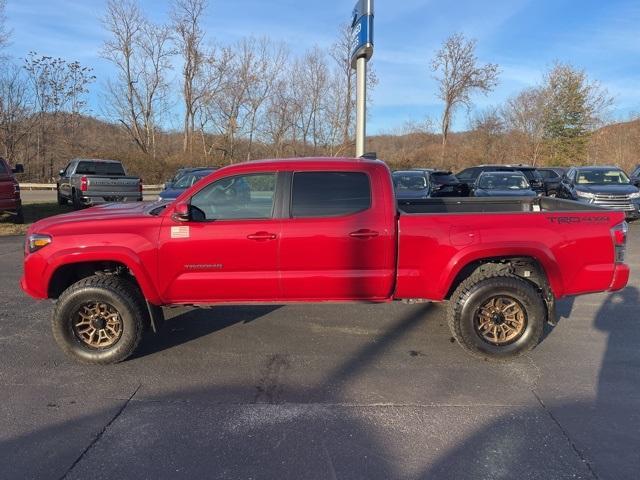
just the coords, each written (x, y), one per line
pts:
(99, 320)
(497, 315)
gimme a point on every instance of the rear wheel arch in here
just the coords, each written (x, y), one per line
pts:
(525, 267)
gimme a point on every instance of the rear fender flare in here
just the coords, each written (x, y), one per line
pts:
(473, 254)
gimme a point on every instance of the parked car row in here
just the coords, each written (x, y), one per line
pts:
(605, 186)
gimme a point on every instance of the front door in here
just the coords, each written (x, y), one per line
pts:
(228, 251)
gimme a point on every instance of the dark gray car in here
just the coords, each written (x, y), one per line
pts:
(608, 187)
(85, 182)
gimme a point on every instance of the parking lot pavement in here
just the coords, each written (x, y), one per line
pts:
(322, 391)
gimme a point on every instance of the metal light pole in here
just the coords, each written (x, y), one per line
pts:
(362, 32)
(361, 105)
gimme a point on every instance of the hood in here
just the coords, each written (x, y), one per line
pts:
(110, 211)
(620, 189)
(504, 193)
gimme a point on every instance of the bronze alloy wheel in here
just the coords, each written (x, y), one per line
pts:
(98, 325)
(501, 320)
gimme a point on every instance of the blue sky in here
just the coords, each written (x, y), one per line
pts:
(523, 37)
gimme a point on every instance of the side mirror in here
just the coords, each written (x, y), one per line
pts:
(19, 168)
(61, 172)
(181, 212)
(636, 182)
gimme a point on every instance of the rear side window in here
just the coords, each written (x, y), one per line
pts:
(549, 174)
(100, 168)
(329, 194)
(469, 174)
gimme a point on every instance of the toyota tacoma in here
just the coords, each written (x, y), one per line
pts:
(318, 230)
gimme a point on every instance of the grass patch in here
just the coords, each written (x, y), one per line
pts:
(32, 213)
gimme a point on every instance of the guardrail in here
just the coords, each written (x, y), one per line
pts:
(52, 186)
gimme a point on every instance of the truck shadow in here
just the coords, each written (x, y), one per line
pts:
(597, 439)
(310, 432)
(199, 322)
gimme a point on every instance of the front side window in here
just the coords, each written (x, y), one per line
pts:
(329, 194)
(242, 197)
(3, 169)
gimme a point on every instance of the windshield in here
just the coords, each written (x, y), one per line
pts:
(602, 177)
(503, 181)
(189, 179)
(409, 181)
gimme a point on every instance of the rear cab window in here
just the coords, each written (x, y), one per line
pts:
(100, 168)
(329, 194)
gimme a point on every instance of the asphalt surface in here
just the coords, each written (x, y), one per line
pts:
(322, 391)
(47, 196)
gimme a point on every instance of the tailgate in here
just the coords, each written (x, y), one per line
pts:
(112, 186)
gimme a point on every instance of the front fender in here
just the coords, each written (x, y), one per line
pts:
(119, 254)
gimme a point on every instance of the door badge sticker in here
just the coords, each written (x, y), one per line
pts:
(180, 232)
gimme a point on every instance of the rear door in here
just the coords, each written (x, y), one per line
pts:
(337, 242)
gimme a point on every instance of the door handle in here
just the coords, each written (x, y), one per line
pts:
(261, 236)
(364, 233)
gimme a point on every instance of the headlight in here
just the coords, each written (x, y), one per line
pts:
(37, 241)
(635, 195)
(586, 195)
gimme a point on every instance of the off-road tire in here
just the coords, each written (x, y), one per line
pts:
(62, 201)
(75, 200)
(18, 218)
(479, 288)
(114, 290)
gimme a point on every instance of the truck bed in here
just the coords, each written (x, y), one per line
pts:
(492, 205)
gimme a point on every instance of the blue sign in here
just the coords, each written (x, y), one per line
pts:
(362, 30)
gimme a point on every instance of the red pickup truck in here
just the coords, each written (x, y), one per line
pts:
(10, 191)
(318, 230)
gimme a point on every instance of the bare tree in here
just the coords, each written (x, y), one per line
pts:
(5, 33)
(141, 52)
(16, 119)
(269, 60)
(189, 35)
(58, 87)
(459, 75)
(524, 115)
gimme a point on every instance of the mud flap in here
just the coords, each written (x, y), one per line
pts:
(156, 317)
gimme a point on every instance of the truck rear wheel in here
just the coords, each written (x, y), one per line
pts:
(99, 320)
(61, 200)
(19, 217)
(497, 315)
(75, 200)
